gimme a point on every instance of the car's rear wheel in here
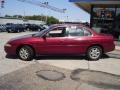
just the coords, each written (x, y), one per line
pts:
(94, 53)
(26, 53)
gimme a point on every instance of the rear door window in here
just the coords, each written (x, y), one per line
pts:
(75, 31)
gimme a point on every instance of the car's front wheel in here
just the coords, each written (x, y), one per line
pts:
(94, 53)
(26, 53)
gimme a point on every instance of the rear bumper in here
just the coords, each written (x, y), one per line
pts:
(109, 48)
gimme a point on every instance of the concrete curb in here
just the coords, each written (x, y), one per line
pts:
(117, 47)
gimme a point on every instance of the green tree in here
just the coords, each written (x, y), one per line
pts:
(17, 16)
(7, 15)
(50, 19)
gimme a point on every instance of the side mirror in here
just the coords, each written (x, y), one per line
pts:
(44, 36)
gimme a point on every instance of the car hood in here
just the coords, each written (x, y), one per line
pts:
(21, 37)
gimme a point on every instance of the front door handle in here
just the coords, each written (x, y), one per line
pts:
(61, 40)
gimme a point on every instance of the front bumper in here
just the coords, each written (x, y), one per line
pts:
(10, 50)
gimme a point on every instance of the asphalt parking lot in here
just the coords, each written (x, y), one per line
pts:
(12, 70)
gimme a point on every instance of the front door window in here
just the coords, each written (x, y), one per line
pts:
(55, 41)
(57, 32)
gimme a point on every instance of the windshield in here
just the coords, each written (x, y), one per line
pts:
(42, 32)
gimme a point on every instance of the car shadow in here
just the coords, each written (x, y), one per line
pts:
(105, 56)
(112, 55)
(63, 57)
(11, 57)
(51, 57)
(60, 58)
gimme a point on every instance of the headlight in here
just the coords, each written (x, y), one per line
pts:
(7, 45)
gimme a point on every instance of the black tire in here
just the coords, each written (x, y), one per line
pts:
(8, 30)
(24, 30)
(18, 31)
(29, 51)
(93, 55)
(39, 30)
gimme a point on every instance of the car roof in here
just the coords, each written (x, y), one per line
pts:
(60, 25)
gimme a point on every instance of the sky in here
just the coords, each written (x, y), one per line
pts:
(13, 7)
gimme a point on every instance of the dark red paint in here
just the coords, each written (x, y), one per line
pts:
(62, 45)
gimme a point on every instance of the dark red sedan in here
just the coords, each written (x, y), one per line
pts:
(61, 39)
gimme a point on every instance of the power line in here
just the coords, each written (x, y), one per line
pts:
(44, 5)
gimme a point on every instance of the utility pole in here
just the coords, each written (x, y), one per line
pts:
(1, 6)
(2, 3)
(46, 3)
(64, 16)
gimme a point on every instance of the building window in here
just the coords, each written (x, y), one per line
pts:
(116, 29)
(118, 13)
(107, 20)
(103, 13)
(103, 17)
